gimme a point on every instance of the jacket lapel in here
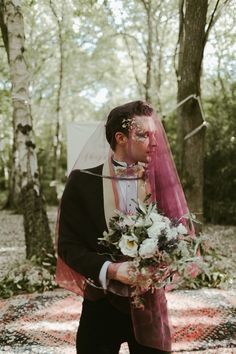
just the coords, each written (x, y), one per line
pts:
(108, 194)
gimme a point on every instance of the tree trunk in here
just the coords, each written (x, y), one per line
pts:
(191, 151)
(57, 140)
(14, 192)
(149, 55)
(13, 182)
(158, 64)
(37, 232)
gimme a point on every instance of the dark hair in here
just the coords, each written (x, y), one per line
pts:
(120, 114)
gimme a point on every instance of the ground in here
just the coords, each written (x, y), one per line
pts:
(203, 320)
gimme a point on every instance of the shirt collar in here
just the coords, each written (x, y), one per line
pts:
(122, 163)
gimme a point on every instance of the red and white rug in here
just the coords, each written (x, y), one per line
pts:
(203, 321)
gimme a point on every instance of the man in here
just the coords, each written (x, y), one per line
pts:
(89, 200)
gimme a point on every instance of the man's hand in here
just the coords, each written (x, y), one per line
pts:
(121, 272)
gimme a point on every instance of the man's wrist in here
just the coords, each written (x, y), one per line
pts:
(112, 271)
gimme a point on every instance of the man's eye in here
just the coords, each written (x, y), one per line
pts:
(142, 135)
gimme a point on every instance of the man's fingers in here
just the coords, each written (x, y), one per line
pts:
(123, 272)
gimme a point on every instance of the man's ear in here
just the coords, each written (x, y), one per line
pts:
(121, 139)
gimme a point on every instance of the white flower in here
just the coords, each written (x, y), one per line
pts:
(128, 245)
(171, 233)
(148, 248)
(155, 217)
(167, 220)
(155, 230)
(182, 229)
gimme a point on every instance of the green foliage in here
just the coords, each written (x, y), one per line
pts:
(3, 198)
(217, 275)
(220, 167)
(170, 124)
(220, 155)
(34, 275)
(45, 163)
(219, 272)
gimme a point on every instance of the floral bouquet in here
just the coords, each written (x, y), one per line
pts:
(160, 249)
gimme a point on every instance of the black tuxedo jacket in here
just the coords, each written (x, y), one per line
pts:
(81, 222)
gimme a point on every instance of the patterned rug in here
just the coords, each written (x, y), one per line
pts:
(203, 321)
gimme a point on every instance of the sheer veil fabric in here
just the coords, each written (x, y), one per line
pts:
(159, 179)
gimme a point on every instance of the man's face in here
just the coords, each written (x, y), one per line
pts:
(141, 140)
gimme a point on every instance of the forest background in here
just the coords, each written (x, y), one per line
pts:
(78, 59)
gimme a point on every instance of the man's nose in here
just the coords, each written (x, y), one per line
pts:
(152, 141)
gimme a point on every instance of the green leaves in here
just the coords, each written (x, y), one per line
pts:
(31, 276)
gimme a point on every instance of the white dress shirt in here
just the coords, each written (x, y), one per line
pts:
(127, 191)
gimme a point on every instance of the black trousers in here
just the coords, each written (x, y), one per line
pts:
(103, 329)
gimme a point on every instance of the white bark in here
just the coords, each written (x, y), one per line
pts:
(37, 231)
(25, 158)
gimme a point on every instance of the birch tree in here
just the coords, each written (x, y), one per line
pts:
(37, 232)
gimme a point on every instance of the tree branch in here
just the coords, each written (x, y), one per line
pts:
(4, 28)
(56, 147)
(125, 34)
(180, 35)
(214, 17)
(212, 20)
(145, 4)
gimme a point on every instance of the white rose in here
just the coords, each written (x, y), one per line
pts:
(128, 245)
(181, 229)
(148, 248)
(155, 230)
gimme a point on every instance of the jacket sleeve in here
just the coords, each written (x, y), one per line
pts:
(77, 241)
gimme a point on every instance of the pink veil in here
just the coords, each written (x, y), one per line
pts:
(151, 324)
